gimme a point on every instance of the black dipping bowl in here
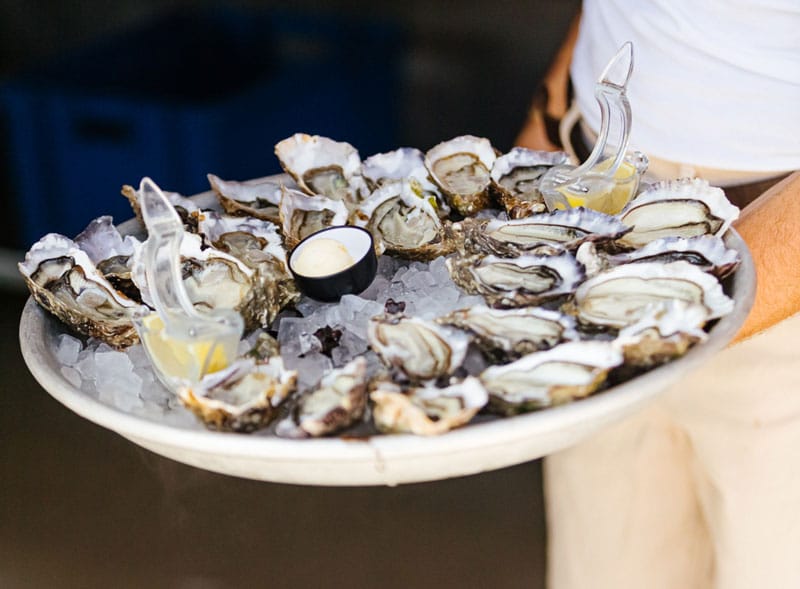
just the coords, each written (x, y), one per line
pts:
(352, 280)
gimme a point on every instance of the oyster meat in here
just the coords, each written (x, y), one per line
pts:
(242, 397)
(254, 198)
(546, 233)
(461, 167)
(566, 372)
(301, 215)
(403, 223)
(63, 280)
(516, 176)
(259, 246)
(677, 208)
(338, 401)
(322, 166)
(624, 294)
(426, 410)
(512, 332)
(514, 282)
(420, 349)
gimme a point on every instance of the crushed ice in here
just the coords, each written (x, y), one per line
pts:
(126, 381)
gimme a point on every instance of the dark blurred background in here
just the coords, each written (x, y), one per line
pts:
(94, 95)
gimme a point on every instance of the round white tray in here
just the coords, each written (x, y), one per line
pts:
(389, 459)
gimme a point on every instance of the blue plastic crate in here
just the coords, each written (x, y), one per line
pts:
(190, 94)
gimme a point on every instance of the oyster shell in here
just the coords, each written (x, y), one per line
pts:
(212, 279)
(426, 410)
(677, 208)
(405, 163)
(420, 349)
(461, 167)
(546, 233)
(566, 372)
(665, 332)
(338, 401)
(514, 282)
(403, 223)
(513, 331)
(254, 198)
(322, 166)
(184, 206)
(301, 215)
(516, 176)
(242, 397)
(624, 294)
(63, 280)
(707, 252)
(259, 246)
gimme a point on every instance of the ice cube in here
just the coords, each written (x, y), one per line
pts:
(72, 375)
(67, 349)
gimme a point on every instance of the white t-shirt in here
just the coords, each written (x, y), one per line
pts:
(715, 83)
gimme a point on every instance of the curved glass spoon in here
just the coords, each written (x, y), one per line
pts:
(182, 342)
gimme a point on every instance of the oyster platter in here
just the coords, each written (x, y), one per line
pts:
(491, 328)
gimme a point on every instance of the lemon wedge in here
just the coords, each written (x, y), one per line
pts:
(176, 358)
(609, 202)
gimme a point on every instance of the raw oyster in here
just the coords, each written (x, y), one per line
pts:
(242, 397)
(406, 163)
(568, 371)
(514, 282)
(516, 176)
(546, 233)
(427, 410)
(403, 223)
(259, 246)
(420, 349)
(513, 331)
(63, 280)
(110, 253)
(254, 198)
(624, 294)
(666, 331)
(301, 215)
(707, 252)
(322, 166)
(461, 168)
(212, 279)
(677, 208)
(183, 205)
(337, 402)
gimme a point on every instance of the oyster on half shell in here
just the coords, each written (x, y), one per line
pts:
(623, 295)
(566, 372)
(301, 215)
(403, 223)
(461, 167)
(514, 282)
(513, 332)
(676, 208)
(184, 206)
(63, 280)
(546, 233)
(322, 166)
(421, 349)
(516, 176)
(242, 397)
(426, 410)
(254, 198)
(259, 246)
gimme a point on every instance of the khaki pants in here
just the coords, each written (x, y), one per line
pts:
(702, 489)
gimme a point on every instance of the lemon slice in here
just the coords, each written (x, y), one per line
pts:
(609, 202)
(176, 358)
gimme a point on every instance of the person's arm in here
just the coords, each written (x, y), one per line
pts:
(552, 99)
(771, 228)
